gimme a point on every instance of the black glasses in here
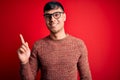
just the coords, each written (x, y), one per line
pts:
(56, 15)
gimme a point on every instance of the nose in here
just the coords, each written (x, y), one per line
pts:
(52, 18)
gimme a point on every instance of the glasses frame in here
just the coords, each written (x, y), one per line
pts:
(48, 16)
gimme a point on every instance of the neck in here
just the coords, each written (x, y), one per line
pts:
(58, 36)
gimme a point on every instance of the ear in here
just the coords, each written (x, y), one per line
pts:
(64, 16)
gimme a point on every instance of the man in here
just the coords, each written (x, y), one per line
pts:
(59, 56)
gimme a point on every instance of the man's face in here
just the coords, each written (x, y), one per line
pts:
(55, 20)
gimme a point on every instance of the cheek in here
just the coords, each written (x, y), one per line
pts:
(47, 22)
(60, 20)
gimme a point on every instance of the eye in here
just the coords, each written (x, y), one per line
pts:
(56, 15)
(47, 15)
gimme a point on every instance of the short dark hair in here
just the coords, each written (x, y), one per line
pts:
(53, 5)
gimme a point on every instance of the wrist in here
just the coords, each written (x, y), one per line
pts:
(25, 62)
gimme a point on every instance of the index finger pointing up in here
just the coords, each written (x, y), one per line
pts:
(22, 39)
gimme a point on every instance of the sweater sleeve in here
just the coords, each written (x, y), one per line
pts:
(29, 70)
(83, 64)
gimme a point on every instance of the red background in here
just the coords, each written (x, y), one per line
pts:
(97, 22)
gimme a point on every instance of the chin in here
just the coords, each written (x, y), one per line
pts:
(54, 31)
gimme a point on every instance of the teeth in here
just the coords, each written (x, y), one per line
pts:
(54, 24)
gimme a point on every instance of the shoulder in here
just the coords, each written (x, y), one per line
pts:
(80, 44)
(76, 39)
(41, 41)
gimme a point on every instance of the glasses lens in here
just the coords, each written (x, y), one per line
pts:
(56, 15)
(47, 16)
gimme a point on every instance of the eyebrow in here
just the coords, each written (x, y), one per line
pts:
(51, 13)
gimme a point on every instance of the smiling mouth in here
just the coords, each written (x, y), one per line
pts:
(53, 25)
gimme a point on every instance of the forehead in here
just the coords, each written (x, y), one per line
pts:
(54, 10)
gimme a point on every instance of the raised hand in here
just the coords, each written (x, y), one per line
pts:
(24, 51)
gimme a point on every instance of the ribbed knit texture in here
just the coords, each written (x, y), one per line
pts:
(57, 60)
